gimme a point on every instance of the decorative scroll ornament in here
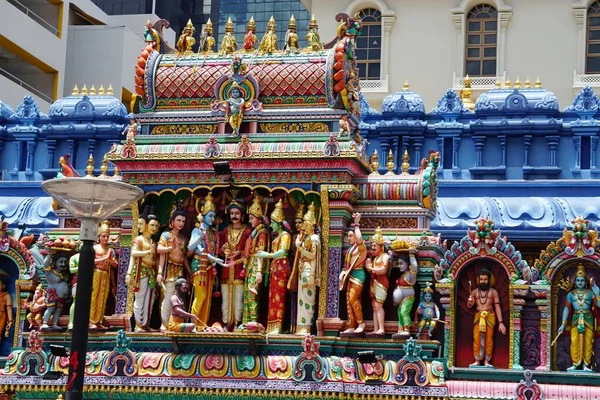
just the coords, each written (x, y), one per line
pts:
(21, 362)
(581, 241)
(528, 389)
(310, 356)
(184, 129)
(212, 148)
(412, 362)
(332, 147)
(121, 352)
(294, 127)
(244, 147)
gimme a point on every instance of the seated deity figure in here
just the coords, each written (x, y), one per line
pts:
(291, 37)
(36, 307)
(105, 259)
(142, 271)
(186, 41)
(579, 303)
(203, 245)
(378, 267)
(178, 315)
(250, 38)
(279, 271)
(487, 303)
(228, 44)
(172, 261)
(429, 311)
(312, 36)
(268, 44)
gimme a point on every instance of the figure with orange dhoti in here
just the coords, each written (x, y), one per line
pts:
(352, 278)
(250, 38)
(178, 315)
(203, 245)
(487, 303)
(172, 262)
(105, 259)
(36, 307)
(378, 267)
(255, 268)
(308, 244)
(6, 311)
(404, 293)
(280, 268)
(234, 238)
(142, 271)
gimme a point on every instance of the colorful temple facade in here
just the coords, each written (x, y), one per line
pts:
(330, 247)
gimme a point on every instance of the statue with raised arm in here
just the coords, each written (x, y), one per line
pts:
(105, 259)
(352, 278)
(203, 245)
(172, 261)
(142, 271)
(579, 303)
(178, 315)
(378, 267)
(404, 293)
(279, 269)
(428, 311)
(487, 303)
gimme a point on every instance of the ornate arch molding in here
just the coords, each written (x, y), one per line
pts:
(580, 9)
(16, 257)
(388, 17)
(21, 256)
(459, 16)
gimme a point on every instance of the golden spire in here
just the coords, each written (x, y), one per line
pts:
(311, 215)
(103, 167)
(467, 82)
(229, 26)
(117, 172)
(375, 163)
(406, 85)
(189, 25)
(390, 163)
(313, 23)
(208, 28)
(75, 91)
(101, 90)
(208, 205)
(292, 24)
(527, 84)
(277, 214)
(517, 83)
(498, 84)
(93, 90)
(90, 166)
(378, 237)
(538, 83)
(84, 91)
(109, 91)
(508, 83)
(405, 162)
(251, 25)
(256, 209)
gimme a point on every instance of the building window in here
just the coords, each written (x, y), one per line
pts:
(481, 41)
(368, 45)
(592, 59)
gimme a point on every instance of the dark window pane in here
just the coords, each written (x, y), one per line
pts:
(374, 71)
(374, 54)
(474, 26)
(489, 52)
(474, 39)
(594, 21)
(489, 39)
(491, 25)
(361, 54)
(489, 68)
(375, 42)
(362, 43)
(362, 67)
(593, 48)
(473, 52)
(594, 35)
(473, 68)
(375, 30)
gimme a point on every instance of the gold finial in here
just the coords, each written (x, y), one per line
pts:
(101, 91)
(117, 172)
(528, 83)
(538, 83)
(313, 23)
(109, 91)
(103, 167)
(90, 166)
(390, 163)
(375, 163)
(251, 25)
(84, 90)
(189, 24)
(405, 162)
(75, 91)
(498, 84)
(60, 397)
(406, 85)
(378, 237)
(292, 23)
(271, 24)
(508, 83)
(277, 215)
(229, 26)
(93, 91)
(517, 83)
(467, 82)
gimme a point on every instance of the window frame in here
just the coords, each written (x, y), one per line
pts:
(477, 15)
(377, 17)
(590, 42)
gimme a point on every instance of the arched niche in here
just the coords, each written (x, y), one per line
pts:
(9, 274)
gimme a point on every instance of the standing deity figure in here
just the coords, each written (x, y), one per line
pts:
(580, 304)
(36, 307)
(57, 293)
(172, 261)
(404, 293)
(250, 38)
(74, 270)
(378, 267)
(142, 271)
(428, 310)
(6, 311)
(268, 44)
(344, 126)
(204, 246)
(291, 37)
(259, 241)
(312, 36)
(487, 303)
(178, 315)
(234, 238)
(279, 270)
(234, 108)
(105, 259)
(207, 41)
(308, 244)
(292, 284)
(353, 276)
(228, 44)
(186, 40)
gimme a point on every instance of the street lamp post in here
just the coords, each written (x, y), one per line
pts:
(90, 200)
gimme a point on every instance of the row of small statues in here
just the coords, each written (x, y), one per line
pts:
(267, 45)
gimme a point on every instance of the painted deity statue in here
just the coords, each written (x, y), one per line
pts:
(228, 45)
(57, 292)
(203, 245)
(234, 113)
(279, 269)
(105, 259)
(250, 38)
(378, 267)
(6, 310)
(487, 303)
(292, 285)
(308, 244)
(178, 315)
(186, 41)
(344, 126)
(259, 241)
(291, 37)
(36, 307)
(404, 293)
(74, 270)
(142, 271)
(312, 36)
(352, 277)
(268, 44)
(234, 238)
(428, 311)
(172, 261)
(207, 41)
(579, 303)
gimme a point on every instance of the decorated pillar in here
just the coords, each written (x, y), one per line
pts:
(15, 172)
(73, 146)
(31, 146)
(518, 293)
(542, 295)
(552, 141)
(51, 147)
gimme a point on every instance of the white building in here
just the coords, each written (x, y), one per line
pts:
(48, 46)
